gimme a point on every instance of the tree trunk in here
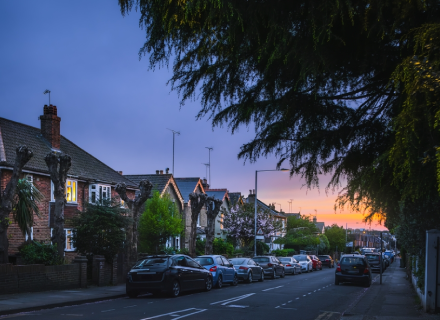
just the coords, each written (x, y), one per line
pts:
(197, 201)
(213, 206)
(23, 155)
(59, 165)
(135, 205)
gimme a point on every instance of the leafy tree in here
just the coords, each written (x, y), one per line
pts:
(301, 234)
(100, 229)
(160, 221)
(239, 222)
(336, 237)
(26, 204)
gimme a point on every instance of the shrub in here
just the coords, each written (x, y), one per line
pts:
(284, 252)
(40, 253)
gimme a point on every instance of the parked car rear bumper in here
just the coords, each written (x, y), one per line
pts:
(363, 279)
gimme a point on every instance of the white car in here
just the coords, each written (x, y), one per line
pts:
(305, 261)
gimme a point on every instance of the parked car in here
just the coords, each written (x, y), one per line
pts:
(353, 268)
(221, 269)
(167, 273)
(305, 261)
(386, 260)
(247, 269)
(390, 254)
(316, 263)
(272, 267)
(291, 266)
(327, 261)
(375, 260)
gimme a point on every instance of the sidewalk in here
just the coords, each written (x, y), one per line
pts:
(21, 302)
(395, 299)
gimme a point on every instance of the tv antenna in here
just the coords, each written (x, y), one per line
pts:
(174, 134)
(209, 149)
(47, 91)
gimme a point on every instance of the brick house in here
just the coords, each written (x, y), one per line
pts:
(186, 186)
(89, 179)
(164, 183)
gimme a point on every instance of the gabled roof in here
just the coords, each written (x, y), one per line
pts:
(220, 194)
(234, 197)
(84, 165)
(272, 211)
(188, 185)
(320, 226)
(160, 182)
(293, 214)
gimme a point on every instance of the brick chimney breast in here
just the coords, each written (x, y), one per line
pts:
(50, 126)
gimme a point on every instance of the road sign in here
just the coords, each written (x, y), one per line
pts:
(260, 232)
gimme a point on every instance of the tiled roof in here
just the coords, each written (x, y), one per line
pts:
(159, 181)
(319, 225)
(84, 165)
(187, 185)
(217, 193)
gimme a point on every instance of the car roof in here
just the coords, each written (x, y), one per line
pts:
(353, 255)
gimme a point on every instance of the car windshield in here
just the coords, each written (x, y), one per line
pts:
(352, 261)
(323, 257)
(261, 259)
(284, 259)
(204, 261)
(300, 258)
(151, 262)
(372, 256)
(237, 261)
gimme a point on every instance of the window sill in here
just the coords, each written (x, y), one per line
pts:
(71, 250)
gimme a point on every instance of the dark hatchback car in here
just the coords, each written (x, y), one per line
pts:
(327, 261)
(170, 274)
(353, 268)
(375, 260)
(272, 267)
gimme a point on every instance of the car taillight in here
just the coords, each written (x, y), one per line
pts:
(269, 264)
(288, 265)
(243, 268)
(327, 260)
(213, 269)
(338, 269)
(366, 271)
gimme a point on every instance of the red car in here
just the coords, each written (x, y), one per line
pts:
(317, 264)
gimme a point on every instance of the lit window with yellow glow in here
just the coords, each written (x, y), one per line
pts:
(71, 190)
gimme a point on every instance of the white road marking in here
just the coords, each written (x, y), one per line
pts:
(272, 288)
(237, 306)
(297, 298)
(225, 302)
(108, 310)
(131, 306)
(175, 313)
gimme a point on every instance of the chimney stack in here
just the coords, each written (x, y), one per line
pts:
(205, 183)
(157, 171)
(50, 126)
(120, 172)
(167, 170)
(161, 171)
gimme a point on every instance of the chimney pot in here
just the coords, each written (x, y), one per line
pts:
(50, 126)
(253, 191)
(120, 172)
(167, 170)
(157, 171)
(161, 171)
(250, 191)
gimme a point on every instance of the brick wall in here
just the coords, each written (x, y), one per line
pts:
(32, 278)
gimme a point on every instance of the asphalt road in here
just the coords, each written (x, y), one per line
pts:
(307, 296)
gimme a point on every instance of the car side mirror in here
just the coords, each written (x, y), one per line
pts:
(231, 265)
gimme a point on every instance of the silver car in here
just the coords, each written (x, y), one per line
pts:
(247, 269)
(305, 261)
(291, 266)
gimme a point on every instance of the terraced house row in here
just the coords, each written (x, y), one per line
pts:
(89, 180)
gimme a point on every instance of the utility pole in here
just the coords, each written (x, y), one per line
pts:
(174, 133)
(209, 149)
(381, 257)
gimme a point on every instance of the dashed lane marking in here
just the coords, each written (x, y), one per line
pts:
(272, 288)
(225, 302)
(177, 315)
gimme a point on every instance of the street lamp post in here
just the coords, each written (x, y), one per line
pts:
(255, 205)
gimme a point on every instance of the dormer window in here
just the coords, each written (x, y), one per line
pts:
(99, 192)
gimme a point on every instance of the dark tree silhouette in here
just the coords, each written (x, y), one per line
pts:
(213, 207)
(23, 155)
(58, 165)
(135, 205)
(197, 201)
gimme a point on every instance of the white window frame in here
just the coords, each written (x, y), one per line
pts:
(198, 220)
(99, 190)
(26, 236)
(52, 197)
(69, 234)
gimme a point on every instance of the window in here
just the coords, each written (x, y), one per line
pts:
(26, 236)
(191, 263)
(71, 191)
(218, 260)
(99, 192)
(225, 261)
(69, 243)
(198, 220)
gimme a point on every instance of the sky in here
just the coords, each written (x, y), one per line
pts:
(116, 108)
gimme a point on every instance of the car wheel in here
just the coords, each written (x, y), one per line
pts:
(273, 275)
(175, 291)
(208, 284)
(336, 282)
(262, 277)
(235, 281)
(132, 294)
(282, 274)
(321, 268)
(250, 278)
(219, 282)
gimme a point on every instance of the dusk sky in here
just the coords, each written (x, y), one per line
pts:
(114, 107)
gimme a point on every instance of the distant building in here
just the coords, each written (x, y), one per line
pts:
(319, 225)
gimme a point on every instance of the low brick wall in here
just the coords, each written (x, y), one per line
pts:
(31, 278)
